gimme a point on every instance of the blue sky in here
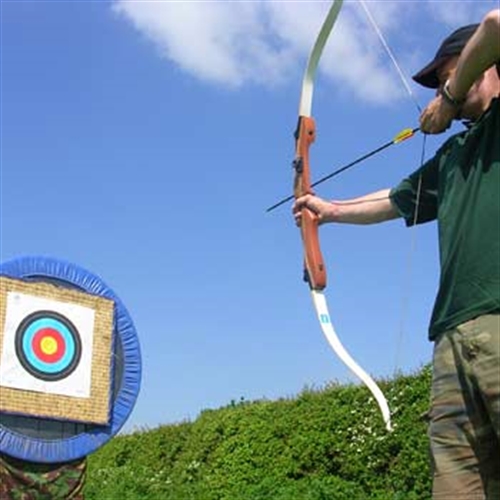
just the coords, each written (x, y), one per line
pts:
(144, 140)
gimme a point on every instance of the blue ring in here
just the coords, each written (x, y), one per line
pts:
(30, 356)
(40, 450)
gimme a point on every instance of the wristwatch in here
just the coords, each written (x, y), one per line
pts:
(448, 97)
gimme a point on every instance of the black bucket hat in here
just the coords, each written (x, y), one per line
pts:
(452, 46)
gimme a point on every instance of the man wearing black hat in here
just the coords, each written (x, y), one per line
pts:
(459, 188)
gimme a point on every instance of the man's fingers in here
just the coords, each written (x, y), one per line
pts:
(300, 203)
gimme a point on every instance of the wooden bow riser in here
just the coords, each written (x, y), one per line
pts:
(315, 272)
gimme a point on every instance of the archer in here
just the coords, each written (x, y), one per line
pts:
(460, 189)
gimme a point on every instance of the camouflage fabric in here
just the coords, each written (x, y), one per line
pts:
(20, 480)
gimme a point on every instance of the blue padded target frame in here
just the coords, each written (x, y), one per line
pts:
(46, 441)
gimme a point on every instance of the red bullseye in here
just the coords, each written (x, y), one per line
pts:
(48, 345)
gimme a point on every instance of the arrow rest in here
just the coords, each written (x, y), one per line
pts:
(298, 165)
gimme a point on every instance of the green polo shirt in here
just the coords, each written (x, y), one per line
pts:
(460, 188)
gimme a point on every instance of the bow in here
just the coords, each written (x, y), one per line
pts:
(315, 272)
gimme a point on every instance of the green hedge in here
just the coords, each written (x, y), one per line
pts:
(323, 444)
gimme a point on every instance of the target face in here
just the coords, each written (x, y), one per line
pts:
(48, 345)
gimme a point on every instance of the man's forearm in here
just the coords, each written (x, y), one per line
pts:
(370, 209)
(481, 52)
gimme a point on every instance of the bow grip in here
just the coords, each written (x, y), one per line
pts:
(315, 272)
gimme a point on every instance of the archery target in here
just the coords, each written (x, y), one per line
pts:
(50, 428)
(47, 346)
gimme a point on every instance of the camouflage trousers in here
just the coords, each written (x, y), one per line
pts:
(465, 412)
(20, 480)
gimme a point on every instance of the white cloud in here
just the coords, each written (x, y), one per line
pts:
(235, 43)
(357, 59)
(222, 42)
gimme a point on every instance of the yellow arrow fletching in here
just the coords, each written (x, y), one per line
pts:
(403, 135)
